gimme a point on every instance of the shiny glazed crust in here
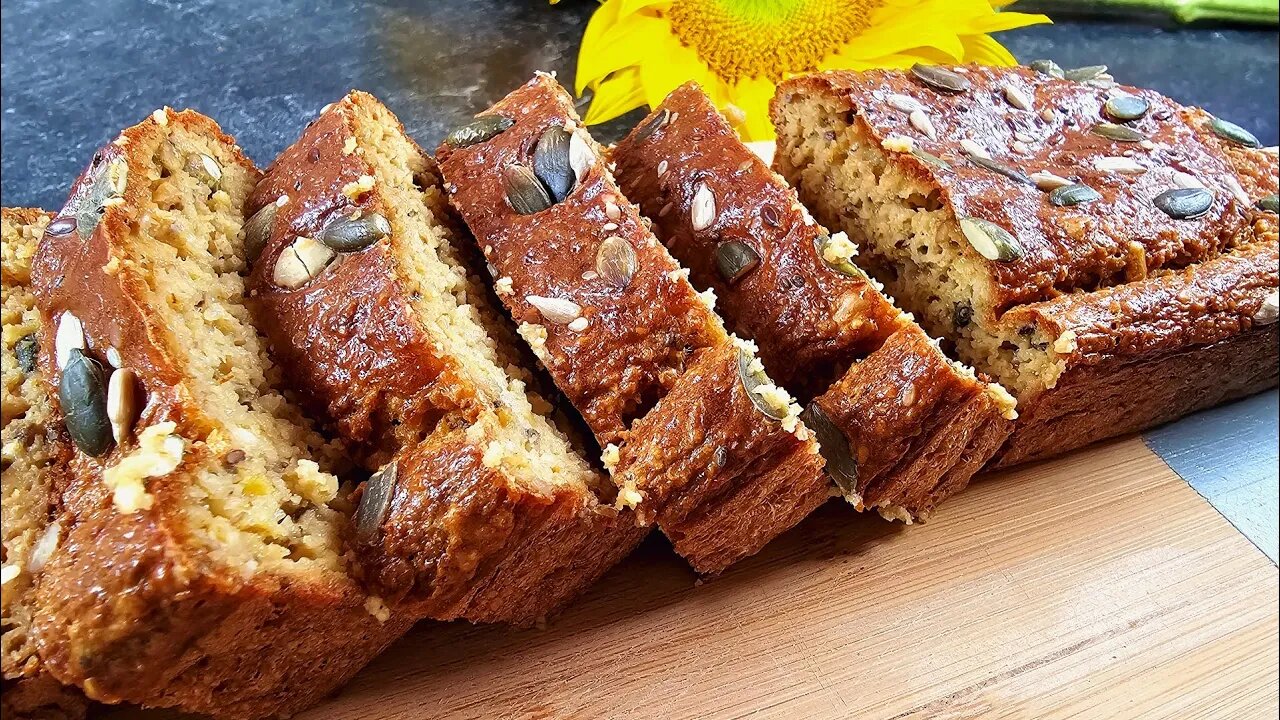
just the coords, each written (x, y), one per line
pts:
(1120, 316)
(814, 324)
(461, 539)
(130, 610)
(639, 344)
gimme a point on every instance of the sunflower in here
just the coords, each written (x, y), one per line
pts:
(634, 52)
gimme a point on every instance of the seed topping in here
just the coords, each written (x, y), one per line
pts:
(525, 192)
(616, 261)
(551, 163)
(920, 121)
(990, 240)
(375, 503)
(68, 337)
(1234, 133)
(555, 310)
(1070, 195)
(1017, 98)
(1184, 203)
(702, 211)
(301, 262)
(1124, 108)
(835, 449)
(83, 394)
(940, 78)
(347, 234)
(1047, 181)
(735, 260)
(477, 131)
(122, 402)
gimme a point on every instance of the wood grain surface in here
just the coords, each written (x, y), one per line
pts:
(1095, 586)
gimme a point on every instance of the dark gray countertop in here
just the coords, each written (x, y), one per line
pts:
(74, 73)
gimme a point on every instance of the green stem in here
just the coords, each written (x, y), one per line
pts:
(1257, 12)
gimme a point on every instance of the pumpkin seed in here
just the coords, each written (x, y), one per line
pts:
(840, 265)
(751, 381)
(108, 181)
(375, 503)
(1086, 73)
(990, 240)
(122, 402)
(555, 310)
(842, 466)
(28, 350)
(61, 226)
(1234, 133)
(69, 336)
(551, 163)
(301, 262)
(1184, 203)
(930, 159)
(940, 78)
(1126, 107)
(735, 260)
(477, 131)
(83, 394)
(1270, 203)
(1047, 67)
(524, 191)
(257, 231)
(346, 234)
(616, 261)
(1119, 133)
(702, 211)
(651, 125)
(999, 169)
(1077, 194)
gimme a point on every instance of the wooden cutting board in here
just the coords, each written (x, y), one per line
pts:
(1099, 585)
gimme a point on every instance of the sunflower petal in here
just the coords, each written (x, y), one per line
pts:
(1002, 21)
(631, 7)
(752, 96)
(985, 50)
(671, 65)
(616, 96)
(622, 45)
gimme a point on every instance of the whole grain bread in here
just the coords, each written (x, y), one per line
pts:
(1158, 261)
(200, 565)
(483, 509)
(887, 399)
(720, 468)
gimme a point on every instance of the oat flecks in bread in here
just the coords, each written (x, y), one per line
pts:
(33, 453)
(491, 514)
(218, 585)
(623, 332)
(897, 438)
(1082, 299)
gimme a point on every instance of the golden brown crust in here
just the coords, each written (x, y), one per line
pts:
(130, 610)
(641, 339)
(461, 539)
(919, 427)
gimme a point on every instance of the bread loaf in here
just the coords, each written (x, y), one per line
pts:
(698, 439)
(1105, 253)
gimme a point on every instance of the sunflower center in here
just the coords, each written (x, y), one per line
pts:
(741, 39)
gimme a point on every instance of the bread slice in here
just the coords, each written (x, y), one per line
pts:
(677, 405)
(201, 566)
(902, 426)
(1073, 298)
(34, 450)
(483, 510)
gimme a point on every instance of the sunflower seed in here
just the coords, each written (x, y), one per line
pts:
(1048, 115)
(652, 125)
(990, 240)
(1121, 165)
(346, 234)
(1126, 107)
(551, 163)
(1184, 203)
(1017, 98)
(1070, 195)
(1236, 189)
(735, 260)
(702, 211)
(751, 381)
(69, 336)
(555, 310)
(28, 351)
(971, 147)
(477, 131)
(1234, 133)
(998, 168)
(579, 324)
(1047, 181)
(44, 547)
(920, 121)
(1086, 73)
(616, 261)
(375, 503)
(122, 402)
(1184, 180)
(1047, 67)
(83, 395)
(1269, 311)
(940, 78)
(1119, 133)
(1270, 203)
(662, 168)
(301, 262)
(1103, 81)
(930, 159)
(524, 191)
(1020, 147)
(834, 446)
(205, 168)
(257, 231)
(905, 103)
(581, 157)
(113, 358)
